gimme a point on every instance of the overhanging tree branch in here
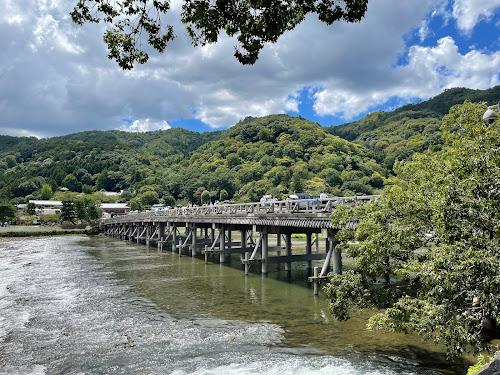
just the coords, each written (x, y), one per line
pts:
(252, 22)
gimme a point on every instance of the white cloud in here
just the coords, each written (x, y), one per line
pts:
(469, 12)
(47, 34)
(11, 12)
(443, 66)
(56, 77)
(16, 132)
(428, 72)
(145, 125)
(423, 31)
(292, 104)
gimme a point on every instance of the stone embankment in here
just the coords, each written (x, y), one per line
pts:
(492, 369)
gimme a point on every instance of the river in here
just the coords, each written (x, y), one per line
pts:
(93, 305)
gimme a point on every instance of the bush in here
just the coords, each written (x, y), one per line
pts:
(49, 218)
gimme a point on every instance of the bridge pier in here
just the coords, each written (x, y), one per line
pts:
(161, 236)
(222, 243)
(337, 260)
(243, 243)
(308, 250)
(193, 240)
(174, 238)
(264, 251)
(148, 234)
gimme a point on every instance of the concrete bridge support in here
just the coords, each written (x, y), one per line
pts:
(309, 249)
(174, 238)
(193, 230)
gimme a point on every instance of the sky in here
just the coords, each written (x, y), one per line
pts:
(55, 78)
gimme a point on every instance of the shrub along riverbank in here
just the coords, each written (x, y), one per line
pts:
(36, 231)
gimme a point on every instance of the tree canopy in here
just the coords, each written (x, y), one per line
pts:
(253, 23)
(428, 251)
(7, 211)
(398, 134)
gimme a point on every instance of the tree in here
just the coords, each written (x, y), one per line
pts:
(46, 191)
(169, 200)
(253, 23)
(68, 212)
(197, 194)
(30, 208)
(223, 195)
(83, 176)
(87, 189)
(135, 205)
(7, 212)
(205, 197)
(428, 250)
(92, 209)
(80, 209)
(148, 198)
(232, 160)
(11, 161)
(30, 186)
(71, 183)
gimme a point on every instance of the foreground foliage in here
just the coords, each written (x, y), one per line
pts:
(428, 251)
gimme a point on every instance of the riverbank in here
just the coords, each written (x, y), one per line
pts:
(14, 231)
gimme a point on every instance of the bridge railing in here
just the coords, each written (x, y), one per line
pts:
(270, 207)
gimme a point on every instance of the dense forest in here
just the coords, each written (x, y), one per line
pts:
(276, 155)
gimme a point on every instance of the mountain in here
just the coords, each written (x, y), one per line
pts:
(411, 128)
(275, 155)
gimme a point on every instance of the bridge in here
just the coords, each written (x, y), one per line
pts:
(265, 232)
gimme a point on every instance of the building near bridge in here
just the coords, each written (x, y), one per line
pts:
(47, 207)
(112, 209)
(42, 207)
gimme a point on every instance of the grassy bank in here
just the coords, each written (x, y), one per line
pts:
(37, 231)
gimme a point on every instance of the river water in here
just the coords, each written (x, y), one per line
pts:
(92, 305)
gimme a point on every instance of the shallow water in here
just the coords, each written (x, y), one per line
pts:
(79, 305)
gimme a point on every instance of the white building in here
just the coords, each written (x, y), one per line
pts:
(54, 207)
(115, 208)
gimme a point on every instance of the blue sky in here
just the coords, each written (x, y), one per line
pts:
(55, 77)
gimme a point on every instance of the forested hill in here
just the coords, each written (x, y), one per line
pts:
(162, 142)
(274, 155)
(411, 128)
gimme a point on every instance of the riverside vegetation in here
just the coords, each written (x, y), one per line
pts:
(427, 252)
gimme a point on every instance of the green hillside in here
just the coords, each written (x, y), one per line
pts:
(274, 155)
(111, 160)
(411, 128)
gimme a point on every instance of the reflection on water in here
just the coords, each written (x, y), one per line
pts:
(78, 305)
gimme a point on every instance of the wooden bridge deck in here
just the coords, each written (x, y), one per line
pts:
(304, 213)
